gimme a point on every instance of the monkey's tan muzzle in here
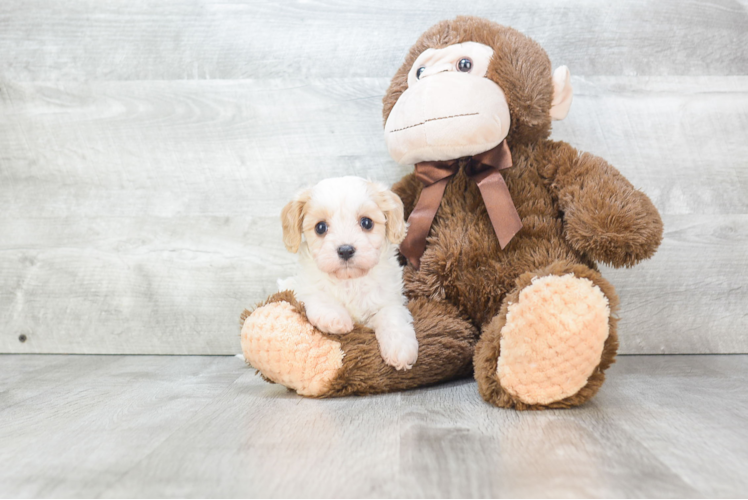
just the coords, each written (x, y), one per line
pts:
(446, 116)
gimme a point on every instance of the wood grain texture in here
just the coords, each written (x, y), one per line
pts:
(146, 150)
(139, 217)
(150, 426)
(84, 40)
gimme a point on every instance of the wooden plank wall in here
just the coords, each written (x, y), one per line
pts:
(146, 149)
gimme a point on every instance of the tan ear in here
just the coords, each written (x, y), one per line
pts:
(562, 93)
(291, 218)
(392, 206)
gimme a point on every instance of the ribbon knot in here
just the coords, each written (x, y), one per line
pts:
(485, 169)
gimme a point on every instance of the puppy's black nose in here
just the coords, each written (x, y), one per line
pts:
(346, 251)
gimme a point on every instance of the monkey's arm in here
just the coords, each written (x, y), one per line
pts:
(604, 215)
(408, 188)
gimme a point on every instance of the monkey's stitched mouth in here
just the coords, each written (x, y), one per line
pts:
(432, 120)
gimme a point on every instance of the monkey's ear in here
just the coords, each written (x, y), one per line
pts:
(562, 93)
(392, 206)
(291, 218)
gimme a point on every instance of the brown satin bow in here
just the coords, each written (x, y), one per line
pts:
(484, 169)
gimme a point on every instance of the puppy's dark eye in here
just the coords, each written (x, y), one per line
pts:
(320, 228)
(420, 72)
(465, 65)
(367, 223)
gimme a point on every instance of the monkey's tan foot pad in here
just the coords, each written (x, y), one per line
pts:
(553, 339)
(286, 348)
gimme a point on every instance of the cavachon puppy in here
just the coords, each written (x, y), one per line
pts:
(346, 231)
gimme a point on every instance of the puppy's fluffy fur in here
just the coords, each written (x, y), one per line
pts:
(366, 287)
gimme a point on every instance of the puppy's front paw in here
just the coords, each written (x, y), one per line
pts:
(330, 320)
(399, 349)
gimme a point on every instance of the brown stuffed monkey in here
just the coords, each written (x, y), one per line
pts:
(505, 227)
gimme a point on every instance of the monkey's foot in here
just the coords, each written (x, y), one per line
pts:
(551, 339)
(279, 341)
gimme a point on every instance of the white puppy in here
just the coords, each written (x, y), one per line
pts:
(349, 270)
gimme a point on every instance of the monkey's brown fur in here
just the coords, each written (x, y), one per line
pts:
(576, 210)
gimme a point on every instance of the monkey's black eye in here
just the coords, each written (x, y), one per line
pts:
(320, 228)
(420, 71)
(367, 223)
(465, 65)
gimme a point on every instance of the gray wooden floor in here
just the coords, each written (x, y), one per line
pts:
(114, 426)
